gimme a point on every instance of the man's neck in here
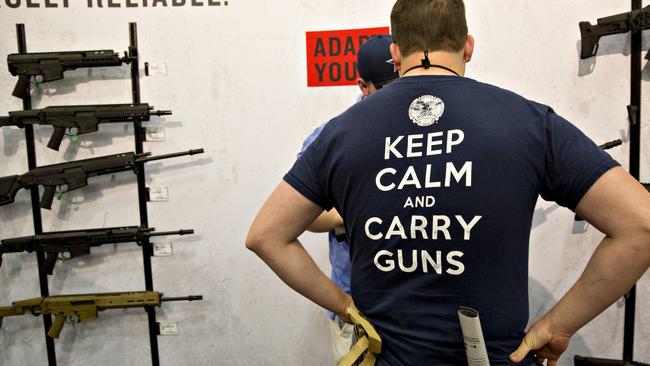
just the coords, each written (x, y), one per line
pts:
(450, 60)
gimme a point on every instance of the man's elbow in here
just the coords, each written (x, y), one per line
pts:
(643, 241)
(637, 238)
(254, 241)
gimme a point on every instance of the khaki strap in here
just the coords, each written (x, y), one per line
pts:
(368, 343)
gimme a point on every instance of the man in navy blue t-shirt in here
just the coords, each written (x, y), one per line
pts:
(436, 177)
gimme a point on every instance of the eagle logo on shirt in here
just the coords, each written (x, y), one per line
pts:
(426, 110)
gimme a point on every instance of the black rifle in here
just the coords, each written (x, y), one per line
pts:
(605, 146)
(633, 21)
(78, 242)
(75, 174)
(51, 65)
(590, 361)
(83, 118)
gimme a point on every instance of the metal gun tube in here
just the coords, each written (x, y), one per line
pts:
(143, 158)
(186, 298)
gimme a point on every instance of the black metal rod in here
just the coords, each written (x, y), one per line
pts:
(179, 232)
(635, 153)
(167, 156)
(186, 298)
(36, 210)
(147, 250)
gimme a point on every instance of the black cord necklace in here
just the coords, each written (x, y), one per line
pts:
(426, 63)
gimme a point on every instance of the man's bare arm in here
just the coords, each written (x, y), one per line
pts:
(273, 236)
(618, 206)
(326, 222)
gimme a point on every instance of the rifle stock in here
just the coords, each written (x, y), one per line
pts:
(589, 43)
(9, 186)
(11, 246)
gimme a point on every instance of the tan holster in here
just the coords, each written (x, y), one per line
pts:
(368, 344)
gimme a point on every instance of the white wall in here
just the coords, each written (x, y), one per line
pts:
(237, 86)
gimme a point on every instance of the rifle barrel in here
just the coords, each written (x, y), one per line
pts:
(179, 232)
(186, 298)
(167, 156)
(160, 113)
(611, 144)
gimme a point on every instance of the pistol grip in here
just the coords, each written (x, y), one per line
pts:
(48, 197)
(50, 261)
(55, 329)
(22, 87)
(57, 137)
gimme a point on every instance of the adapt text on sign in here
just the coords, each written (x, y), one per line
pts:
(332, 55)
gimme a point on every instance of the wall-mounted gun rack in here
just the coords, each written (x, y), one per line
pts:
(139, 137)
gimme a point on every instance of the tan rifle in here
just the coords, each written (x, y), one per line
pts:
(86, 306)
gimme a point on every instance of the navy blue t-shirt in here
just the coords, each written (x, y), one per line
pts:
(436, 178)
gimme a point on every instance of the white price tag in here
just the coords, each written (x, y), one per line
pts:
(158, 194)
(163, 249)
(168, 328)
(157, 69)
(155, 134)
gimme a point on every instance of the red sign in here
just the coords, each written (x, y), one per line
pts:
(332, 55)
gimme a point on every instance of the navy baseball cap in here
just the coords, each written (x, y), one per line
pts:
(374, 60)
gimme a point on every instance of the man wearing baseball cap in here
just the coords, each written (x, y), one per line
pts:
(374, 64)
(376, 70)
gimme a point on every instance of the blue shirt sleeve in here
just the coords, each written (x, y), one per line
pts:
(307, 176)
(573, 162)
(310, 139)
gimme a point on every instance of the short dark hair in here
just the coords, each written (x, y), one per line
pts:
(380, 84)
(429, 25)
